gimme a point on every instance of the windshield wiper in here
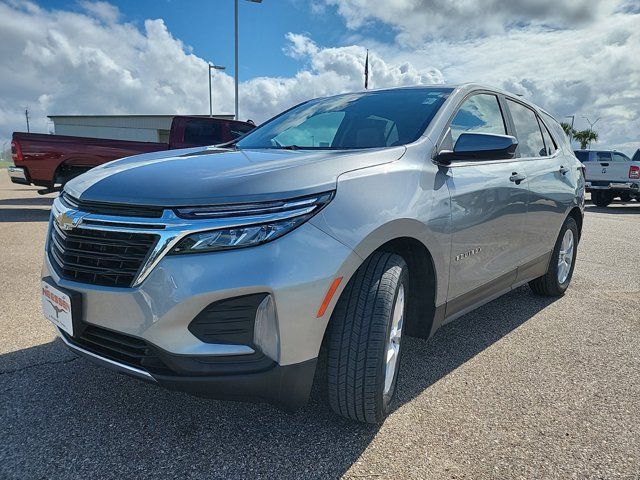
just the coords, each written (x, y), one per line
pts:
(289, 147)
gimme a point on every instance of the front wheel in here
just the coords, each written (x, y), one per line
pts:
(556, 281)
(364, 341)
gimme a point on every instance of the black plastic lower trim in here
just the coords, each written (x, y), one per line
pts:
(285, 386)
(249, 378)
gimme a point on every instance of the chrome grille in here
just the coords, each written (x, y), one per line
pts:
(99, 257)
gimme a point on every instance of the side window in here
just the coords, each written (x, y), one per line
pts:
(201, 132)
(619, 157)
(478, 114)
(530, 143)
(603, 156)
(237, 130)
(549, 144)
(582, 155)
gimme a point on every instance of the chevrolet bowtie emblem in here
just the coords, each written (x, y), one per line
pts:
(68, 220)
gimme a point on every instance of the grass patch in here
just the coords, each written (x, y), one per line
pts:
(5, 164)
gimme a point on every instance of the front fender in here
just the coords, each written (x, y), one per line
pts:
(375, 205)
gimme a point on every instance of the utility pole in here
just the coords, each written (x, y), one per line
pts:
(572, 117)
(235, 74)
(26, 116)
(235, 69)
(212, 67)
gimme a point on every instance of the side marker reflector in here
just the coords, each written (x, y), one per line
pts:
(329, 296)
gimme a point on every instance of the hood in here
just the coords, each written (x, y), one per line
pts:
(198, 176)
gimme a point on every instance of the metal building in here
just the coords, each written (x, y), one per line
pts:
(142, 128)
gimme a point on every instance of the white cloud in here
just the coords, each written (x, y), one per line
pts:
(587, 68)
(61, 62)
(101, 10)
(416, 21)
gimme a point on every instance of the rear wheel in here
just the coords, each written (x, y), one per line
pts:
(625, 197)
(556, 281)
(364, 340)
(601, 199)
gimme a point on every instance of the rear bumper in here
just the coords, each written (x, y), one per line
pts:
(613, 186)
(286, 386)
(18, 175)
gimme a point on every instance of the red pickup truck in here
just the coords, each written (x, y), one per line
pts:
(52, 160)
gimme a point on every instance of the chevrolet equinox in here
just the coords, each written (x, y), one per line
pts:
(349, 221)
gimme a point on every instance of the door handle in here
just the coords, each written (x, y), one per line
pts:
(563, 169)
(517, 177)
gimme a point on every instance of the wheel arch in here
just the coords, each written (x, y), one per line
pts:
(66, 168)
(421, 307)
(421, 310)
(576, 214)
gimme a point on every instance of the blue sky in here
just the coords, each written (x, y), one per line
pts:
(207, 27)
(150, 57)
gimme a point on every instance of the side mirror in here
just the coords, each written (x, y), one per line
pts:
(480, 146)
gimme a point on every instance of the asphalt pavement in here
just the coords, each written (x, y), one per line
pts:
(524, 387)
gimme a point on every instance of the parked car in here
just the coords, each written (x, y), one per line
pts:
(349, 221)
(610, 174)
(50, 160)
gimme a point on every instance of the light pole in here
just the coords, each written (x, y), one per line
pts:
(214, 67)
(236, 54)
(572, 117)
(591, 124)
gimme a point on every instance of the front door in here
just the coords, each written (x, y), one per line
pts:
(488, 211)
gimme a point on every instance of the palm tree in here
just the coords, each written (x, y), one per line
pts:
(585, 137)
(568, 129)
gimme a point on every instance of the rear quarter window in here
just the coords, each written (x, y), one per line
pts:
(556, 130)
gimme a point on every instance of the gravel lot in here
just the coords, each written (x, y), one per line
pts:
(524, 387)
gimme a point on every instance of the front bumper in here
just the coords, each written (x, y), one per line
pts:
(295, 270)
(18, 175)
(285, 386)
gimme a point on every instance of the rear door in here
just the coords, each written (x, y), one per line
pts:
(488, 210)
(551, 173)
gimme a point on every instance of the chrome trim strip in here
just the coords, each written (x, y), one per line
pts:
(173, 228)
(121, 367)
(214, 350)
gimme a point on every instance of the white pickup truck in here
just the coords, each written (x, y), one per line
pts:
(611, 174)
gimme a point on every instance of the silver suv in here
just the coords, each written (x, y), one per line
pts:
(349, 222)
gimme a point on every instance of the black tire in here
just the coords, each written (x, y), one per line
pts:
(601, 199)
(358, 332)
(549, 284)
(625, 197)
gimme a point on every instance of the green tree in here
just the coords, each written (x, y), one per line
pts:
(568, 129)
(585, 137)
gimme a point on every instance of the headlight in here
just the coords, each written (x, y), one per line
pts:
(257, 223)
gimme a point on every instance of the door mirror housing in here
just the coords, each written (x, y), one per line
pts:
(480, 146)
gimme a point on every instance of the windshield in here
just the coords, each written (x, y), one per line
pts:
(356, 120)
